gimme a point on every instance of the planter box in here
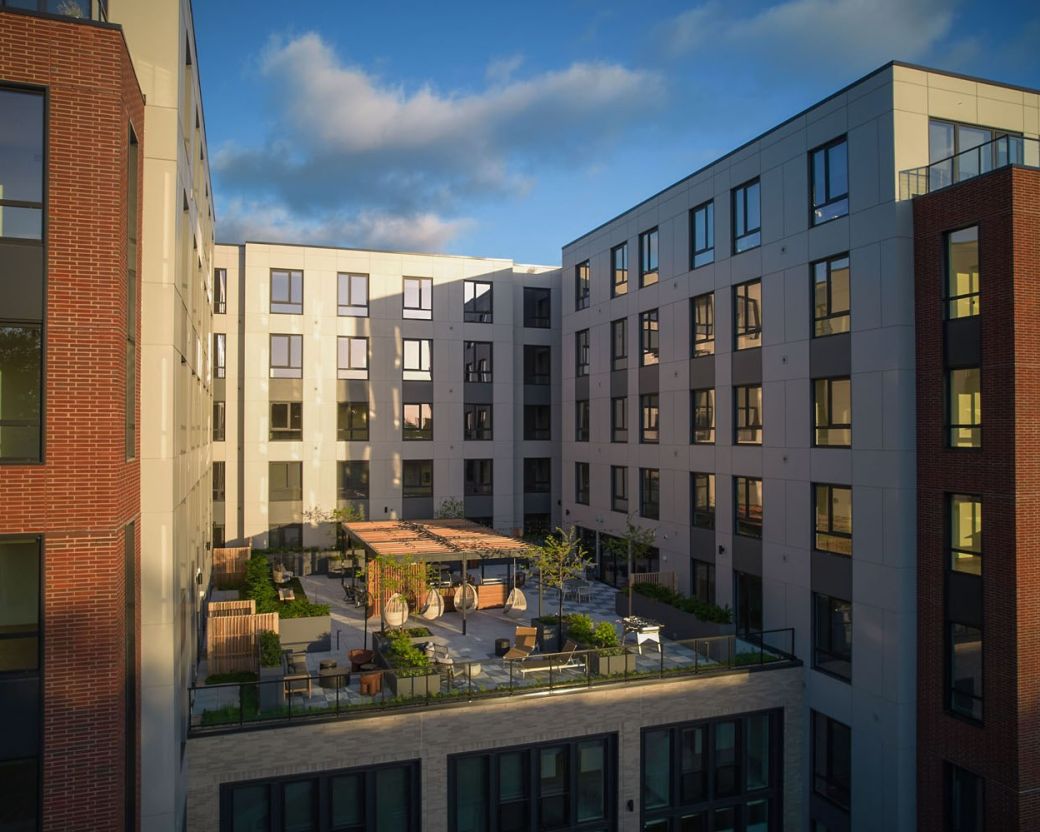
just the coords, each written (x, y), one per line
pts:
(272, 691)
(413, 686)
(675, 624)
(547, 636)
(312, 634)
(613, 665)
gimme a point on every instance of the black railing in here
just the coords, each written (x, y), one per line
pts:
(998, 153)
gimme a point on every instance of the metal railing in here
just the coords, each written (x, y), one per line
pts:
(998, 153)
(334, 694)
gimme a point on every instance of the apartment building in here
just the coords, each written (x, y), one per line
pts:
(746, 374)
(105, 267)
(389, 383)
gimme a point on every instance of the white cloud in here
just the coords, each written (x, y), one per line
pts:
(502, 70)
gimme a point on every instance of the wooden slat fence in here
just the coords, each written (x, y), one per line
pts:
(232, 636)
(666, 579)
(217, 609)
(229, 564)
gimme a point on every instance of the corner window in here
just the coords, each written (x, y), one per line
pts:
(831, 759)
(417, 359)
(353, 480)
(832, 636)
(962, 273)
(964, 670)
(833, 518)
(619, 488)
(477, 361)
(287, 291)
(582, 483)
(703, 409)
(619, 419)
(748, 421)
(352, 295)
(581, 420)
(964, 407)
(417, 422)
(417, 303)
(619, 270)
(832, 412)
(965, 525)
(351, 357)
(417, 478)
(287, 356)
(220, 291)
(286, 421)
(582, 285)
(352, 421)
(831, 296)
(649, 416)
(703, 487)
(747, 315)
(477, 302)
(220, 355)
(650, 493)
(581, 353)
(537, 308)
(285, 484)
(748, 501)
(829, 169)
(476, 422)
(648, 267)
(747, 216)
(649, 338)
(537, 475)
(479, 478)
(702, 316)
(537, 364)
(619, 344)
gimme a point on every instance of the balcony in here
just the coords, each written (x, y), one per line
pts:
(999, 153)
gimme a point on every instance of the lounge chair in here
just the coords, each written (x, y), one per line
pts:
(523, 644)
(565, 660)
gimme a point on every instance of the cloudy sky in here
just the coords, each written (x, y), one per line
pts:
(508, 129)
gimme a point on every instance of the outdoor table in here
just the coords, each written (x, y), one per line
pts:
(644, 629)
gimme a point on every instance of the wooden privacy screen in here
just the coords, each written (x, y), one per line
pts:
(666, 579)
(233, 636)
(230, 564)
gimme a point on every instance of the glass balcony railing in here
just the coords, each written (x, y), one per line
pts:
(999, 153)
(80, 9)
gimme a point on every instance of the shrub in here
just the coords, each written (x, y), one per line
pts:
(605, 636)
(401, 653)
(701, 609)
(270, 649)
(259, 585)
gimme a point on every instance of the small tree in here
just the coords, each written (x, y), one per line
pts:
(350, 513)
(451, 508)
(634, 543)
(561, 558)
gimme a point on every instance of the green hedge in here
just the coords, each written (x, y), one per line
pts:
(270, 649)
(702, 609)
(259, 585)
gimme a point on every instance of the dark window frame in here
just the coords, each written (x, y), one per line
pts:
(649, 338)
(537, 423)
(473, 308)
(348, 432)
(619, 288)
(481, 485)
(956, 697)
(220, 291)
(974, 299)
(582, 420)
(825, 782)
(287, 305)
(957, 818)
(219, 424)
(619, 341)
(650, 493)
(538, 475)
(350, 371)
(535, 317)
(830, 655)
(744, 522)
(290, 489)
(829, 538)
(827, 320)
(220, 355)
(956, 553)
(705, 580)
(973, 440)
(350, 309)
(218, 477)
(292, 430)
(701, 434)
(705, 255)
(537, 364)
(425, 350)
(619, 495)
(582, 483)
(424, 311)
(747, 417)
(582, 285)
(424, 430)
(582, 353)
(289, 369)
(347, 475)
(829, 425)
(702, 511)
(747, 321)
(409, 469)
(650, 419)
(649, 257)
(473, 369)
(739, 203)
(702, 327)
(831, 200)
(619, 427)
(474, 428)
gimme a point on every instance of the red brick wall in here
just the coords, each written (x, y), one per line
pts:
(1006, 471)
(86, 492)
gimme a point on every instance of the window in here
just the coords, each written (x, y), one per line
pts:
(829, 169)
(353, 480)
(702, 316)
(703, 487)
(286, 291)
(964, 800)
(649, 415)
(537, 422)
(218, 482)
(749, 506)
(417, 422)
(219, 411)
(581, 420)
(566, 784)
(964, 670)
(649, 493)
(219, 539)
(831, 296)
(417, 476)
(537, 364)
(20, 594)
(581, 483)
(747, 217)
(476, 356)
(946, 140)
(619, 344)
(962, 273)
(582, 286)
(351, 357)
(220, 355)
(619, 419)
(537, 475)
(479, 481)
(22, 154)
(964, 407)
(19, 791)
(619, 488)
(417, 359)
(220, 291)
(747, 602)
(476, 422)
(832, 759)
(537, 308)
(477, 302)
(649, 338)
(286, 356)
(832, 412)
(747, 315)
(352, 421)
(368, 799)
(288, 536)
(832, 635)
(702, 580)
(648, 269)
(833, 519)
(132, 222)
(536, 525)
(286, 482)
(619, 270)
(702, 235)
(21, 391)
(352, 295)
(418, 298)
(286, 421)
(748, 422)
(703, 416)
(965, 514)
(581, 352)
(705, 775)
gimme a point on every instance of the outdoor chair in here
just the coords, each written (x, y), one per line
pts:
(559, 661)
(584, 592)
(523, 644)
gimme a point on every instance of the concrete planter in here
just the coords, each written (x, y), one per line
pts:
(613, 665)
(547, 636)
(413, 686)
(312, 634)
(675, 624)
(272, 691)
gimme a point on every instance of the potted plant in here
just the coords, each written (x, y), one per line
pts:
(409, 672)
(272, 691)
(610, 657)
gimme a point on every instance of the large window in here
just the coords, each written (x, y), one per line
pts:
(703, 408)
(219, 481)
(417, 422)
(353, 480)
(964, 407)
(747, 602)
(703, 487)
(220, 355)
(351, 357)
(582, 285)
(748, 493)
(650, 493)
(537, 364)
(478, 301)
(417, 478)
(476, 422)
(476, 357)
(581, 353)
(832, 412)
(21, 165)
(352, 295)
(747, 315)
(831, 296)
(964, 800)
(537, 422)
(619, 488)
(829, 169)
(366, 799)
(619, 419)
(702, 580)
(648, 255)
(417, 359)
(19, 605)
(417, 298)
(219, 421)
(702, 235)
(220, 291)
(747, 216)
(132, 222)
(286, 536)
(964, 670)
(479, 478)
(748, 408)
(582, 483)
(832, 635)
(287, 356)
(352, 421)
(649, 416)
(702, 318)
(962, 273)
(286, 421)
(833, 518)
(565, 785)
(19, 791)
(537, 308)
(965, 524)
(619, 270)
(946, 140)
(285, 483)
(581, 420)
(537, 475)
(722, 774)
(21, 392)
(287, 291)
(649, 338)
(831, 759)
(619, 344)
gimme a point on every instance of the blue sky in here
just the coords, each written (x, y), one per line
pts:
(508, 129)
